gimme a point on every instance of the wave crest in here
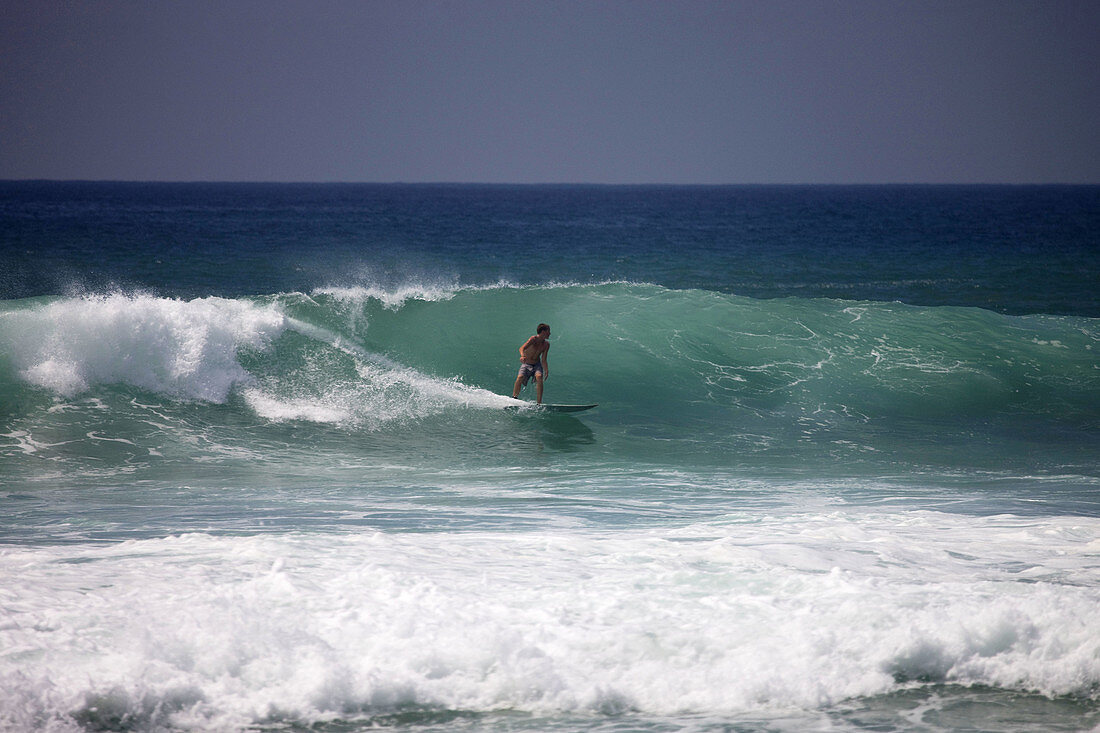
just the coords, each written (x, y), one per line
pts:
(187, 349)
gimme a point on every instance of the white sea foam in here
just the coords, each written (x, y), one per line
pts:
(187, 349)
(773, 613)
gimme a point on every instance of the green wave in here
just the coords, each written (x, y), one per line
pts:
(697, 351)
(680, 375)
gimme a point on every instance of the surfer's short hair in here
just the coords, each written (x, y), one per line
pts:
(542, 327)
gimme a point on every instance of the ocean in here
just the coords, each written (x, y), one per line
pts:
(256, 474)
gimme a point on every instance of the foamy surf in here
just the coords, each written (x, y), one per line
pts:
(735, 619)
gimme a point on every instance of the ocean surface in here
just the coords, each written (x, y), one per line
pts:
(255, 474)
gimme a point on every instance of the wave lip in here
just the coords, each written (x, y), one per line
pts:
(391, 298)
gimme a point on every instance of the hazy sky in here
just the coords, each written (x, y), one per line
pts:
(762, 91)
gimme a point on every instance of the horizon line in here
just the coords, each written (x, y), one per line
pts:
(655, 184)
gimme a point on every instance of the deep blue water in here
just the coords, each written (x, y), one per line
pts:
(1010, 249)
(255, 474)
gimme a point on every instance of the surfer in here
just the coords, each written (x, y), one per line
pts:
(534, 361)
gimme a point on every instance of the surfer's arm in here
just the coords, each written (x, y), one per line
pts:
(546, 362)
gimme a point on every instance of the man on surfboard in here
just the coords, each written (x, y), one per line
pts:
(534, 361)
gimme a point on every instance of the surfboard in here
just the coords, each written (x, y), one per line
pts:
(565, 408)
(555, 408)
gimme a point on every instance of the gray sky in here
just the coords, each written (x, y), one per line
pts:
(763, 91)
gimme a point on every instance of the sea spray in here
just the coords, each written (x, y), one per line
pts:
(185, 349)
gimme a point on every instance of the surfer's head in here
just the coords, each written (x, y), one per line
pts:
(543, 330)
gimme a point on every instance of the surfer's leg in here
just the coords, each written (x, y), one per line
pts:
(518, 387)
(538, 387)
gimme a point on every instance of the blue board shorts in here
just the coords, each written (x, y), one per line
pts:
(526, 371)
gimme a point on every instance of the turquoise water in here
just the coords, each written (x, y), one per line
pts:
(256, 474)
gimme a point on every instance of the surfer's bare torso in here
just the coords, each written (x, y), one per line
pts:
(531, 352)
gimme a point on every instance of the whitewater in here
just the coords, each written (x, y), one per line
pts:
(269, 484)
